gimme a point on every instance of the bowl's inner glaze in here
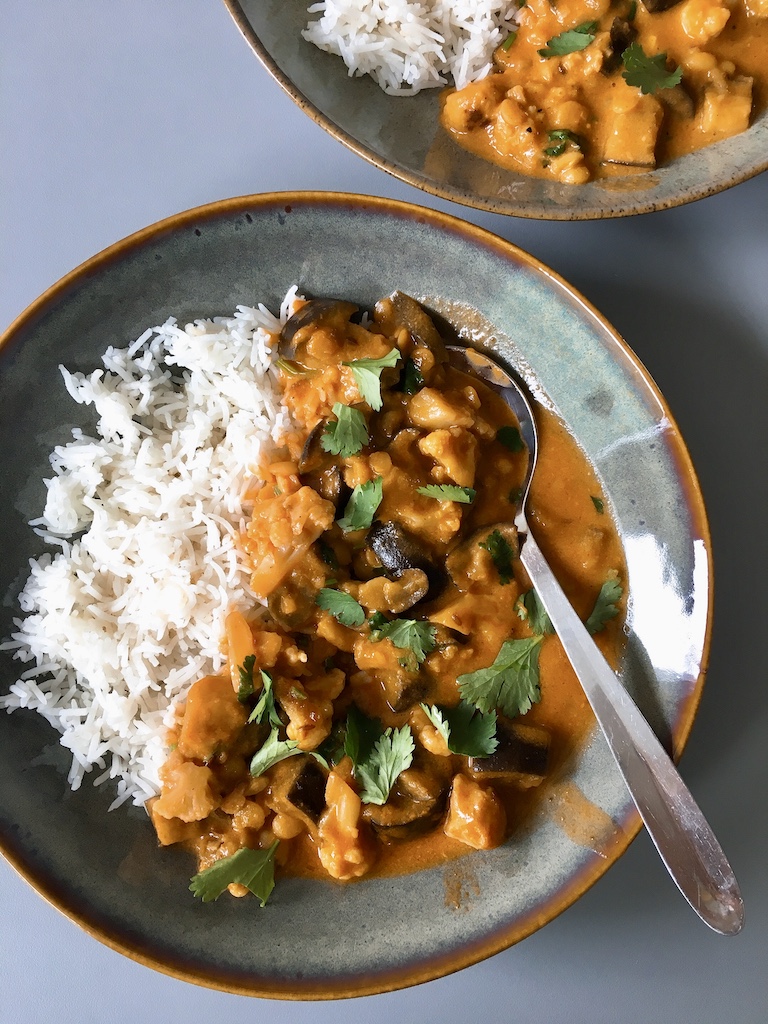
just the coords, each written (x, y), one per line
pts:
(319, 939)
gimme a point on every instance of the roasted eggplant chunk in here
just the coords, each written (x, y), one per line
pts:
(521, 756)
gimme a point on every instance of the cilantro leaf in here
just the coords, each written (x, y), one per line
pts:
(412, 378)
(347, 434)
(362, 505)
(245, 689)
(649, 74)
(265, 706)
(255, 869)
(508, 41)
(599, 504)
(342, 606)
(531, 610)
(571, 41)
(500, 550)
(367, 374)
(332, 748)
(408, 635)
(559, 139)
(272, 751)
(606, 605)
(448, 492)
(362, 735)
(510, 684)
(376, 623)
(465, 729)
(391, 755)
(510, 438)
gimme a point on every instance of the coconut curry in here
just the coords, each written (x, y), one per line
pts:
(398, 696)
(598, 88)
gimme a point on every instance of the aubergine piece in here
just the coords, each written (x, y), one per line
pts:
(655, 6)
(319, 470)
(307, 794)
(398, 550)
(403, 690)
(399, 310)
(315, 311)
(623, 34)
(415, 806)
(521, 757)
(292, 603)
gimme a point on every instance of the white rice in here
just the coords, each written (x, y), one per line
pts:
(129, 609)
(407, 45)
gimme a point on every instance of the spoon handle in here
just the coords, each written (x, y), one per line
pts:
(677, 827)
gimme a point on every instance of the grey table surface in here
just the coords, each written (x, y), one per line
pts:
(113, 115)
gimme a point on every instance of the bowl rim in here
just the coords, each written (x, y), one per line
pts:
(506, 208)
(439, 965)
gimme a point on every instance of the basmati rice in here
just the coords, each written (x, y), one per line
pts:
(406, 45)
(123, 618)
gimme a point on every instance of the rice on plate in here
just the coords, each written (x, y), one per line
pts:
(129, 612)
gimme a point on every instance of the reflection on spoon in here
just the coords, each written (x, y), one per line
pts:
(677, 827)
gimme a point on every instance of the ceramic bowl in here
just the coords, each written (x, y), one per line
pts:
(401, 135)
(320, 939)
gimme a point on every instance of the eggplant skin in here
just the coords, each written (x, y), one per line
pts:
(398, 550)
(307, 793)
(522, 755)
(656, 6)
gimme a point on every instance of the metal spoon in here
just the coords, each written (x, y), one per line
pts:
(677, 827)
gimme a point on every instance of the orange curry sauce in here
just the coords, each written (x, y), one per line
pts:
(423, 559)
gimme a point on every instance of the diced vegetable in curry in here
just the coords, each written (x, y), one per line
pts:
(398, 697)
(598, 88)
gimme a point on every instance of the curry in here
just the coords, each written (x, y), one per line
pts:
(599, 88)
(396, 696)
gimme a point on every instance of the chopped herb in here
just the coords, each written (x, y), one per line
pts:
(265, 706)
(277, 491)
(328, 555)
(255, 869)
(448, 492)
(632, 11)
(649, 74)
(509, 40)
(510, 438)
(297, 693)
(571, 41)
(272, 751)
(465, 729)
(560, 137)
(391, 755)
(530, 609)
(367, 374)
(362, 506)
(499, 549)
(347, 434)
(289, 367)
(245, 671)
(598, 503)
(362, 734)
(408, 635)
(332, 747)
(377, 622)
(510, 684)
(515, 495)
(412, 378)
(342, 606)
(606, 605)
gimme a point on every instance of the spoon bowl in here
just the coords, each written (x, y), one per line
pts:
(682, 836)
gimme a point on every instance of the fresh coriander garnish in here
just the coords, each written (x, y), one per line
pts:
(245, 671)
(347, 434)
(559, 139)
(362, 734)
(412, 378)
(392, 754)
(342, 606)
(367, 374)
(499, 549)
(376, 622)
(649, 74)
(510, 684)
(510, 438)
(465, 729)
(362, 505)
(408, 635)
(606, 605)
(265, 706)
(515, 495)
(272, 751)
(530, 609)
(598, 503)
(255, 869)
(448, 492)
(632, 11)
(571, 41)
(508, 41)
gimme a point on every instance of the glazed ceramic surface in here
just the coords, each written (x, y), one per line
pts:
(320, 939)
(401, 135)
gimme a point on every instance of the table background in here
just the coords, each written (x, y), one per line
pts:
(115, 114)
